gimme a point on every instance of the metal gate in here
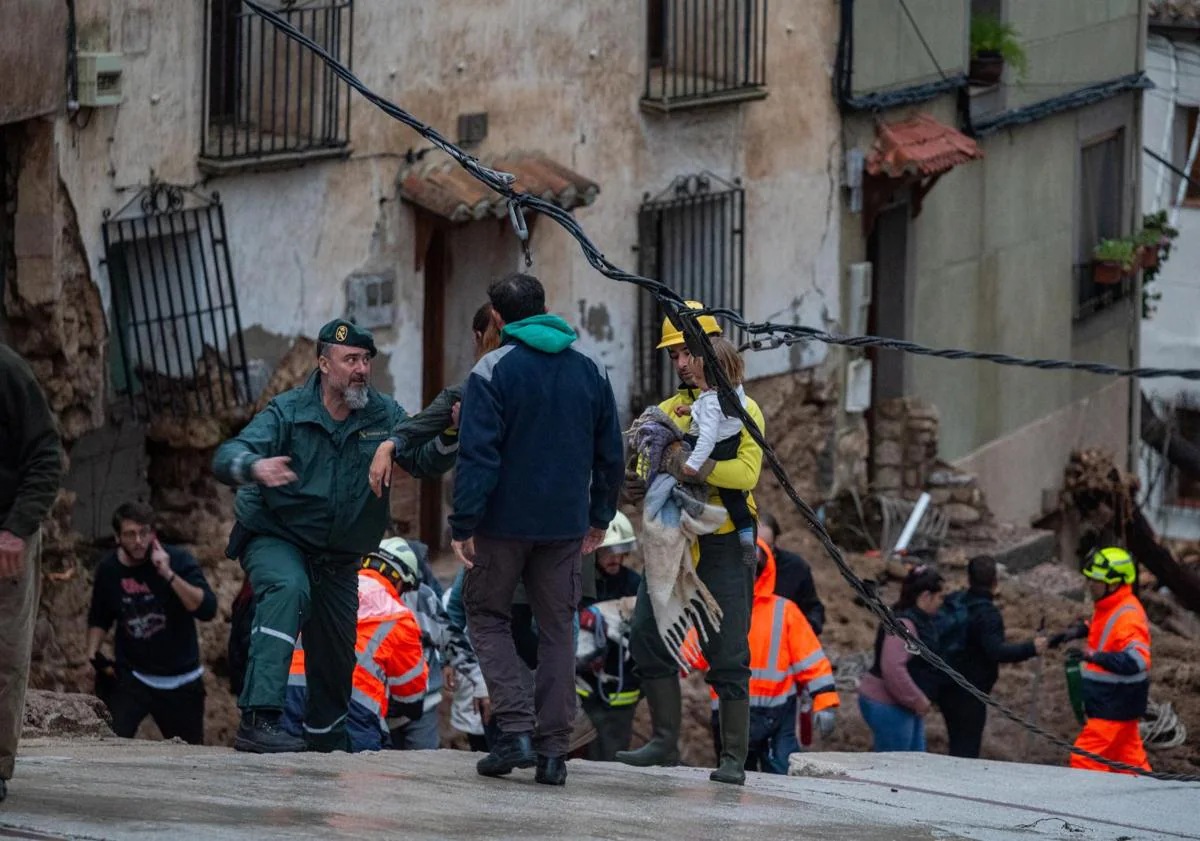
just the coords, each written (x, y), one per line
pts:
(691, 237)
(174, 305)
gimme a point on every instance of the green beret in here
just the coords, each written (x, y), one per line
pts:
(343, 332)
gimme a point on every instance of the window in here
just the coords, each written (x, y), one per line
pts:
(1101, 216)
(1192, 194)
(700, 52)
(179, 347)
(690, 237)
(267, 97)
(1182, 488)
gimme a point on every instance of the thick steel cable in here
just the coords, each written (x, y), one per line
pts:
(699, 343)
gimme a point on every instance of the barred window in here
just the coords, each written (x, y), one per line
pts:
(267, 98)
(179, 348)
(1101, 210)
(701, 52)
(691, 237)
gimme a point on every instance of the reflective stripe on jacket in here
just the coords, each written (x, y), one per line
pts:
(785, 654)
(391, 664)
(1116, 686)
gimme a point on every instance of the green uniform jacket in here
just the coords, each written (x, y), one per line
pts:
(330, 508)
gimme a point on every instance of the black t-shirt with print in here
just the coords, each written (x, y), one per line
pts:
(156, 635)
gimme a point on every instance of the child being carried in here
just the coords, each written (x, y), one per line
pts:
(715, 435)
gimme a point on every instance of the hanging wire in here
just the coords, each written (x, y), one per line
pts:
(698, 344)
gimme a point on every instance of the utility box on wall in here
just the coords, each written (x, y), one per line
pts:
(100, 79)
(370, 300)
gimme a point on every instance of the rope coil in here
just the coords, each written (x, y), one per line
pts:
(699, 345)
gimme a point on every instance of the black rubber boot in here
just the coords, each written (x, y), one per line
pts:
(512, 750)
(735, 742)
(666, 711)
(261, 732)
(551, 770)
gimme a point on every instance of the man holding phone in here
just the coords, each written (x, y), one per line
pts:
(154, 594)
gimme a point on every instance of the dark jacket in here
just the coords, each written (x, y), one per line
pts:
(794, 581)
(330, 508)
(30, 456)
(541, 455)
(985, 648)
(616, 684)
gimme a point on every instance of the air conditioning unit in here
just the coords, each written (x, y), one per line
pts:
(99, 79)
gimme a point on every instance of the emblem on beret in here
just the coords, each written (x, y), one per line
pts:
(341, 333)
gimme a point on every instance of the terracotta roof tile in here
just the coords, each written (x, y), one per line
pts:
(1185, 12)
(919, 146)
(446, 189)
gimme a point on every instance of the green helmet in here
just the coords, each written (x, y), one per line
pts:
(1111, 566)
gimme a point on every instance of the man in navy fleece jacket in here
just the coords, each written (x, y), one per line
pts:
(540, 465)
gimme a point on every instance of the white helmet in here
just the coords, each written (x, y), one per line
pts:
(619, 537)
(396, 560)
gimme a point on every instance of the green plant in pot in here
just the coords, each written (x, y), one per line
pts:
(994, 45)
(1113, 260)
(1156, 238)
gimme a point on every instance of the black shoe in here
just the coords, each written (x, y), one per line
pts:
(261, 732)
(3, 790)
(551, 770)
(512, 750)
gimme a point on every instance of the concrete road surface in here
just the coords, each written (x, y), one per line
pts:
(119, 789)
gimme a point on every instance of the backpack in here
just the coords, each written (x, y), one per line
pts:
(953, 620)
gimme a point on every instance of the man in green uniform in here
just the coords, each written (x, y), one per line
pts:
(306, 512)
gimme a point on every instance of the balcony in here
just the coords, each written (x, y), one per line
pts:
(702, 53)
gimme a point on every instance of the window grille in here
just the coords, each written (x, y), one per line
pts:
(179, 348)
(704, 51)
(267, 96)
(691, 237)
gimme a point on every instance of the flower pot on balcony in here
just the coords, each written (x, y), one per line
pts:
(987, 68)
(1150, 257)
(1107, 272)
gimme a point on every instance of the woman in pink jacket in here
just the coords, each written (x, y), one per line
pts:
(899, 689)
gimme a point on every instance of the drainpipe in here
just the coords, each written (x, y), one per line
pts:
(72, 60)
(1135, 304)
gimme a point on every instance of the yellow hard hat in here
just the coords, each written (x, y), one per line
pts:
(671, 336)
(1111, 566)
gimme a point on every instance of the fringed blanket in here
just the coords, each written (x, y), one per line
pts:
(675, 515)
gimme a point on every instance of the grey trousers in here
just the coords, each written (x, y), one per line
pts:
(551, 573)
(18, 614)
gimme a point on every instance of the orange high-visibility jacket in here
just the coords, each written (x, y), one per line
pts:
(391, 663)
(785, 654)
(1116, 683)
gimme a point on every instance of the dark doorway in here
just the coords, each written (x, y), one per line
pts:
(433, 341)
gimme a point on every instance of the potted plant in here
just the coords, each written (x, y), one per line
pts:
(994, 45)
(1155, 238)
(1154, 227)
(1146, 241)
(1112, 261)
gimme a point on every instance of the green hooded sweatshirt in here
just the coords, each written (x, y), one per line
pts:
(547, 333)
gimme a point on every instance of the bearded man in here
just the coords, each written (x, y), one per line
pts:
(314, 470)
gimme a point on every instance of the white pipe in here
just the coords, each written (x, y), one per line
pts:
(910, 527)
(1169, 128)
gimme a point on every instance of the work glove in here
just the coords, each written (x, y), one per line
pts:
(634, 490)
(825, 721)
